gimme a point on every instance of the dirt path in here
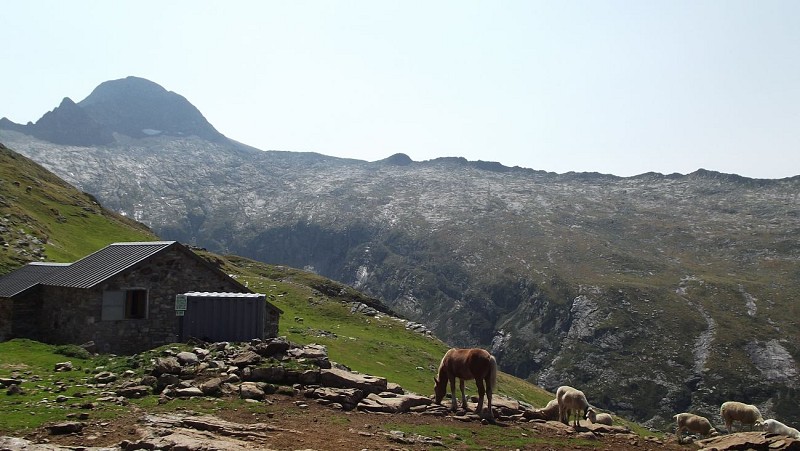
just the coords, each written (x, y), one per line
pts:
(290, 423)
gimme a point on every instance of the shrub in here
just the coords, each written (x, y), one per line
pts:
(73, 351)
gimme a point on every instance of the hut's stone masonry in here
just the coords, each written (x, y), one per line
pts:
(60, 315)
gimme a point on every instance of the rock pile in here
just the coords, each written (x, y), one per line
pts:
(254, 370)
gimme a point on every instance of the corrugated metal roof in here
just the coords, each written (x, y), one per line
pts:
(29, 275)
(107, 262)
(209, 294)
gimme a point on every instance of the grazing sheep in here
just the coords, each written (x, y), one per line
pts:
(599, 418)
(776, 427)
(692, 423)
(559, 394)
(572, 402)
(550, 411)
(731, 411)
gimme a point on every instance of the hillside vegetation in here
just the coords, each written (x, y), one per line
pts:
(44, 218)
(63, 224)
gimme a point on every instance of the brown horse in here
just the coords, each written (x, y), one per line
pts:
(467, 364)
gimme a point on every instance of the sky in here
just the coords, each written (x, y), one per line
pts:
(617, 87)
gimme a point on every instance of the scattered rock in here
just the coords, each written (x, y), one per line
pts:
(14, 390)
(187, 358)
(105, 377)
(212, 387)
(68, 427)
(166, 365)
(63, 367)
(251, 390)
(134, 392)
(246, 358)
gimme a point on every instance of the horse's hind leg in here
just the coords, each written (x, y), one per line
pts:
(481, 392)
(489, 390)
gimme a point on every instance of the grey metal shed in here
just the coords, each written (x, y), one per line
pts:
(227, 316)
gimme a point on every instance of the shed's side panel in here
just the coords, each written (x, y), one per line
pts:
(224, 319)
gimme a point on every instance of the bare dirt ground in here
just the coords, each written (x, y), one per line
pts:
(294, 424)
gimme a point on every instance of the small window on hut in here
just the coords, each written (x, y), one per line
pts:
(125, 304)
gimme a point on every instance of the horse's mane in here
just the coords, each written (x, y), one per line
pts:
(442, 365)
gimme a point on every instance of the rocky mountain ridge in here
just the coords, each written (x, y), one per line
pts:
(130, 107)
(665, 293)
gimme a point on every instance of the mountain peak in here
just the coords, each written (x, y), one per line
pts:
(138, 107)
(398, 159)
(131, 106)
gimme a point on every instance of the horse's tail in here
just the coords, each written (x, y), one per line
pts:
(493, 374)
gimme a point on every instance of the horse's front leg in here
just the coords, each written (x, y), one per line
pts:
(453, 392)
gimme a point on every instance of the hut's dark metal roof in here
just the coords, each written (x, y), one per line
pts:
(107, 262)
(29, 275)
(84, 273)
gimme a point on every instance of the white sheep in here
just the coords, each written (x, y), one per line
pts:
(692, 423)
(731, 411)
(550, 411)
(599, 418)
(559, 394)
(776, 427)
(571, 401)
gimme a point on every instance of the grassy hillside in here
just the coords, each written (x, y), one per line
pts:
(379, 345)
(318, 310)
(44, 218)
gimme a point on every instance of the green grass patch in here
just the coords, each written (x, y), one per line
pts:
(34, 363)
(379, 346)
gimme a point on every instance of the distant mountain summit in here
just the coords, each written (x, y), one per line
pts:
(131, 106)
(137, 108)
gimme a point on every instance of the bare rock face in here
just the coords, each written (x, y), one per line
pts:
(585, 318)
(773, 361)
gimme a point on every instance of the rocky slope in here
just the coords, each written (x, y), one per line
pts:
(656, 294)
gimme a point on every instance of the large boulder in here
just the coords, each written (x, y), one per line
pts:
(246, 358)
(251, 390)
(347, 398)
(333, 377)
(166, 365)
(392, 403)
(272, 374)
(275, 346)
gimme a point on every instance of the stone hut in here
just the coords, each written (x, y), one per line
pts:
(126, 298)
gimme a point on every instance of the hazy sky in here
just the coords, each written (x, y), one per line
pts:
(619, 87)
